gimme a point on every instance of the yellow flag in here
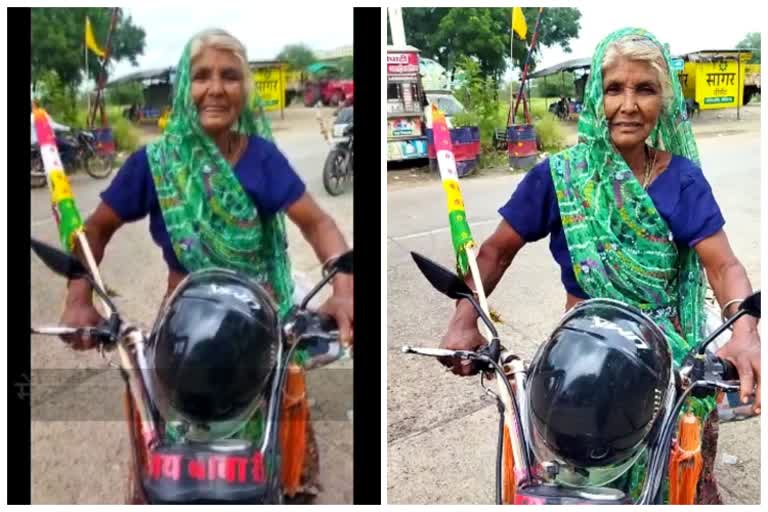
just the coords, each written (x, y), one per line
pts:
(90, 41)
(518, 22)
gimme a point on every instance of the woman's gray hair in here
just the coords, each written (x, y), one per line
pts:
(641, 49)
(223, 40)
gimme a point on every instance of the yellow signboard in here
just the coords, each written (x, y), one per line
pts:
(270, 84)
(719, 84)
(688, 80)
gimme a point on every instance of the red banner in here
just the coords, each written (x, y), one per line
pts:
(461, 152)
(403, 63)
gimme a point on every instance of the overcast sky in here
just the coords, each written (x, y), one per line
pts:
(686, 26)
(264, 29)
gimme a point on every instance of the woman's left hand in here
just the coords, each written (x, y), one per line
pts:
(743, 351)
(341, 307)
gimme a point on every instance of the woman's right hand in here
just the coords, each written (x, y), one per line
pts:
(462, 334)
(80, 314)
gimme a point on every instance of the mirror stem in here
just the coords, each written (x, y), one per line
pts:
(483, 316)
(317, 288)
(101, 293)
(719, 331)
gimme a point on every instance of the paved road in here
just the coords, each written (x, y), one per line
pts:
(441, 431)
(86, 461)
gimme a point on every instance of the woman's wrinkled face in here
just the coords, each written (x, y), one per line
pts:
(632, 101)
(218, 89)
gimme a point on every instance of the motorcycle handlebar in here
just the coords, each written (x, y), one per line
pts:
(57, 330)
(729, 371)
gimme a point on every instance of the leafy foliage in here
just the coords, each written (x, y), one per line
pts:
(298, 56)
(445, 34)
(752, 41)
(557, 85)
(58, 42)
(128, 93)
(58, 99)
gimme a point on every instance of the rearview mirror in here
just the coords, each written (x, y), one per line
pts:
(59, 261)
(442, 279)
(751, 305)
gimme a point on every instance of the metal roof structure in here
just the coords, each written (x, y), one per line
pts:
(164, 74)
(139, 76)
(568, 65)
(708, 55)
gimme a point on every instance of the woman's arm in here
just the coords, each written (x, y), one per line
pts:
(99, 228)
(321, 232)
(78, 307)
(493, 259)
(729, 281)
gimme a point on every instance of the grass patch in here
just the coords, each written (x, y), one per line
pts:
(550, 133)
(126, 134)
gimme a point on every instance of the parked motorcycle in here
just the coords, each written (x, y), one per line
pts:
(202, 466)
(543, 454)
(338, 168)
(560, 109)
(77, 151)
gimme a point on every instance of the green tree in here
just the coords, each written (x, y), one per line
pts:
(128, 93)
(752, 42)
(558, 26)
(298, 56)
(58, 42)
(59, 99)
(479, 97)
(346, 67)
(555, 86)
(445, 34)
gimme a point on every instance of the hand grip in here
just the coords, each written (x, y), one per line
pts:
(729, 371)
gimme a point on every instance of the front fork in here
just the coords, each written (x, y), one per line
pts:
(514, 442)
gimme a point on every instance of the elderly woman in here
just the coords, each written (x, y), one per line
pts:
(630, 217)
(216, 190)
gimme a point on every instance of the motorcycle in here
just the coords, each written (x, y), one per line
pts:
(77, 150)
(520, 477)
(338, 168)
(224, 471)
(560, 109)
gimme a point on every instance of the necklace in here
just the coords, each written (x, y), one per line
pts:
(232, 155)
(649, 166)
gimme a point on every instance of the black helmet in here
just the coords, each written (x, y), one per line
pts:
(596, 390)
(212, 352)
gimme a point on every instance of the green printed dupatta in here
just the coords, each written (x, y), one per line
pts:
(620, 246)
(211, 220)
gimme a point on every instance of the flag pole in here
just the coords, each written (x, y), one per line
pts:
(466, 260)
(65, 209)
(534, 38)
(511, 58)
(87, 94)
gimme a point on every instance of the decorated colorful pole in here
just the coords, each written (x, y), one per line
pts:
(64, 207)
(71, 230)
(466, 260)
(463, 244)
